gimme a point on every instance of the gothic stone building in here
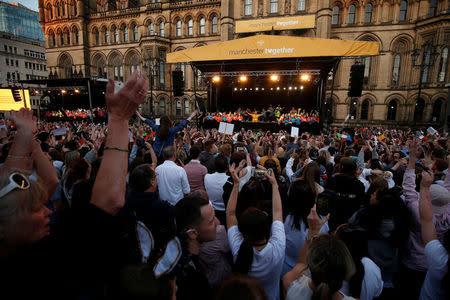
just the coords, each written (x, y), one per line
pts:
(111, 38)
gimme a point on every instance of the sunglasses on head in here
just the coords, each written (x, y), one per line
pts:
(16, 181)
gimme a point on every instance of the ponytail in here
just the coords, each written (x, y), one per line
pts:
(244, 258)
(322, 292)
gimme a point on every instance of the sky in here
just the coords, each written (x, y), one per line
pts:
(32, 4)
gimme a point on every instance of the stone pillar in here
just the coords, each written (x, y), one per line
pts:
(423, 9)
(323, 26)
(227, 20)
(80, 8)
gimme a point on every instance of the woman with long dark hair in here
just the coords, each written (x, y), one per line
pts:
(257, 242)
(301, 198)
(165, 131)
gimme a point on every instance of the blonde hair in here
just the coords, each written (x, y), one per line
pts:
(225, 150)
(19, 202)
(325, 154)
(330, 263)
(70, 156)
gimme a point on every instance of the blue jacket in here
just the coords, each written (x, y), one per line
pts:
(159, 145)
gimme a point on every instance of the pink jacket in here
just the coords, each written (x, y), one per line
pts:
(414, 256)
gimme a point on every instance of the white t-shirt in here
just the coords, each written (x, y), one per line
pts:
(300, 290)
(267, 263)
(294, 242)
(372, 283)
(244, 179)
(437, 258)
(214, 187)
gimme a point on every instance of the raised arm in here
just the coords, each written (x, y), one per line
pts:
(44, 169)
(109, 188)
(277, 209)
(152, 155)
(231, 207)
(425, 209)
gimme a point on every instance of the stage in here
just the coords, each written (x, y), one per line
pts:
(266, 126)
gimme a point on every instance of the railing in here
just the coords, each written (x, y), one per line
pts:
(116, 12)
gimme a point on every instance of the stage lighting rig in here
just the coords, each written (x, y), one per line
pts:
(305, 77)
(243, 78)
(274, 77)
(216, 79)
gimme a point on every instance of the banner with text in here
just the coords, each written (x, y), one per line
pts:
(284, 23)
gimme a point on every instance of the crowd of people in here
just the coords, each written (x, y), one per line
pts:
(280, 115)
(98, 114)
(135, 210)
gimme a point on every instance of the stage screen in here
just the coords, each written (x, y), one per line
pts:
(8, 103)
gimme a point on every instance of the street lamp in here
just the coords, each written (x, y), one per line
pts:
(429, 55)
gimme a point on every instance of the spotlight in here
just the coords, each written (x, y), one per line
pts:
(271, 89)
(305, 77)
(295, 88)
(284, 88)
(290, 87)
(216, 78)
(245, 89)
(257, 89)
(243, 78)
(301, 87)
(235, 89)
(262, 89)
(251, 89)
(240, 89)
(63, 91)
(76, 91)
(278, 88)
(274, 77)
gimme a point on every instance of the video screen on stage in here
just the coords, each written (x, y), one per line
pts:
(8, 101)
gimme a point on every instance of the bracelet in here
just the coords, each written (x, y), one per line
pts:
(116, 148)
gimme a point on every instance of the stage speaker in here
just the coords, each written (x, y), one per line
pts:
(177, 83)
(356, 81)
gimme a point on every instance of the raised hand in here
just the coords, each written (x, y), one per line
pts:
(122, 105)
(427, 179)
(271, 177)
(315, 222)
(24, 120)
(234, 173)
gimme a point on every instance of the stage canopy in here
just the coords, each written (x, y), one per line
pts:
(273, 46)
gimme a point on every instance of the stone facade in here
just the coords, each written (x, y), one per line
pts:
(112, 38)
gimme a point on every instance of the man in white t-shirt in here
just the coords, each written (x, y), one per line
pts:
(172, 180)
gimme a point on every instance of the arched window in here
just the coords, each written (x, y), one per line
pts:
(63, 9)
(178, 108)
(368, 13)
(52, 39)
(366, 61)
(426, 68)
(97, 36)
(353, 109)
(301, 5)
(273, 6)
(396, 69)
(418, 110)
(403, 10)
(75, 9)
(123, 4)
(151, 31)
(61, 38)
(392, 110)
(186, 107)
(432, 8)
(116, 35)
(335, 18)
(125, 33)
(443, 65)
(190, 27)
(351, 14)
(49, 12)
(365, 110)
(161, 28)
(178, 28)
(248, 4)
(437, 106)
(162, 106)
(214, 24)
(106, 36)
(76, 35)
(104, 5)
(135, 32)
(202, 26)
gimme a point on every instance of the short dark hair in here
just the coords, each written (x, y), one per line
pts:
(195, 152)
(168, 152)
(221, 164)
(187, 212)
(140, 178)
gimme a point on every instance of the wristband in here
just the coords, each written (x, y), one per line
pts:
(116, 148)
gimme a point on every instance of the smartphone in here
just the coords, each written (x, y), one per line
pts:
(260, 173)
(240, 149)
